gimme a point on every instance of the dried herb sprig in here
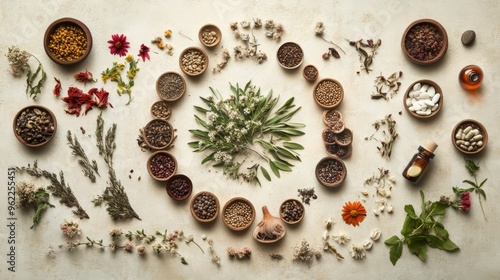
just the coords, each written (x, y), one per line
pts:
(78, 151)
(390, 135)
(58, 187)
(29, 196)
(366, 57)
(115, 197)
(115, 75)
(307, 194)
(18, 61)
(318, 31)
(387, 87)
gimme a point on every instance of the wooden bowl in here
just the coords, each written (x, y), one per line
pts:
(50, 46)
(186, 61)
(170, 86)
(475, 125)
(161, 158)
(27, 129)
(328, 93)
(210, 35)
(290, 55)
(173, 184)
(161, 110)
(339, 151)
(331, 171)
(193, 209)
(330, 116)
(238, 214)
(421, 114)
(283, 209)
(344, 138)
(166, 126)
(310, 73)
(406, 41)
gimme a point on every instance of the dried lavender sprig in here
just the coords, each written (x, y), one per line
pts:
(77, 150)
(58, 187)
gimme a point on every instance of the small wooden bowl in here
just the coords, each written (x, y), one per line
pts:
(323, 166)
(215, 32)
(328, 136)
(187, 54)
(283, 215)
(442, 33)
(339, 151)
(410, 90)
(283, 51)
(330, 116)
(152, 145)
(310, 73)
(69, 22)
(166, 94)
(238, 200)
(163, 107)
(339, 137)
(151, 169)
(475, 125)
(320, 90)
(21, 123)
(175, 180)
(193, 211)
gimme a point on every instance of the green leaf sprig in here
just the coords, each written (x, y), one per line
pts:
(18, 61)
(88, 167)
(476, 187)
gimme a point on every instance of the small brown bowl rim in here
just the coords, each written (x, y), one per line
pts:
(146, 139)
(148, 163)
(325, 113)
(438, 90)
(233, 200)
(216, 204)
(211, 27)
(481, 127)
(326, 129)
(349, 150)
(183, 86)
(301, 217)
(308, 78)
(168, 109)
(53, 26)
(289, 67)
(335, 184)
(341, 90)
(40, 108)
(443, 49)
(197, 49)
(169, 183)
(346, 130)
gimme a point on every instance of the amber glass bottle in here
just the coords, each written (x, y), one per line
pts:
(471, 77)
(419, 161)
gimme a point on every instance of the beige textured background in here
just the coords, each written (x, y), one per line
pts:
(24, 24)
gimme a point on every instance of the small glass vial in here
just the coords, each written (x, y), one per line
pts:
(417, 165)
(471, 77)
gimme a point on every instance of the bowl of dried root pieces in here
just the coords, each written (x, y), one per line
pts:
(34, 126)
(210, 35)
(424, 42)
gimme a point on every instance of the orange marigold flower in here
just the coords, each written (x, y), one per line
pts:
(353, 213)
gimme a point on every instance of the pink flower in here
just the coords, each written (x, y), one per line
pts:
(465, 202)
(118, 45)
(129, 246)
(144, 52)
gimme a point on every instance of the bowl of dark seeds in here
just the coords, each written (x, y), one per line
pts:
(337, 150)
(158, 134)
(34, 126)
(291, 211)
(328, 93)
(161, 110)
(424, 42)
(310, 73)
(238, 213)
(170, 86)
(331, 171)
(290, 55)
(161, 165)
(193, 61)
(205, 207)
(210, 35)
(179, 187)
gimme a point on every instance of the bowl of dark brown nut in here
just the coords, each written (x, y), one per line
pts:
(292, 211)
(34, 126)
(161, 165)
(290, 55)
(331, 171)
(193, 61)
(205, 207)
(238, 213)
(328, 93)
(170, 86)
(424, 42)
(158, 134)
(210, 35)
(179, 187)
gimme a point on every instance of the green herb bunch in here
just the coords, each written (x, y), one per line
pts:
(474, 185)
(247, 123)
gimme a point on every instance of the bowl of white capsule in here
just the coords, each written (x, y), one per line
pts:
(423, 99)
(469, 136)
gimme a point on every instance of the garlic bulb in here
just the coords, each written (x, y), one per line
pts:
(269, 229)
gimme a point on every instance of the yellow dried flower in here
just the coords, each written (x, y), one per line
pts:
(168, 33)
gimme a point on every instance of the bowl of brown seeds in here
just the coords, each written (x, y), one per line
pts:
(337, 150)
(292, 211)
(328, 93)
(158, 134)
(193, 61)
(344, 138)
(310, 73)
(34, 126)
(179, 187)
(161, 165)
(238, 213)
(290, 55)
(161, 110)
(331, 171)
(205, 206)
(210, 35)
(331, 116)
(170, 86)
(424, 42)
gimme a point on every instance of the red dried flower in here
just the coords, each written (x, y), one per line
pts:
(101, 98)
(84, 77)
(118, 45)
(57, 87)
(465, 202)
(144, 52)
(75, 99)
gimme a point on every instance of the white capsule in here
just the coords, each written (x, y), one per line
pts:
(460, 142)
(429, 103)
(408, 102)
(422, 113)
(459, 134)
(417, 86)
(416, 94)
(423, 95)
(415, 107)
(470, 148)
(431, 91)
(424, 88)
(467, 129)
(473, 143)
(466, 143)
(463, 147)
(475, 131)
(469, 135)
(479, 143)
(421, 102)
(477, 137)
(436, 98)
(434, 108)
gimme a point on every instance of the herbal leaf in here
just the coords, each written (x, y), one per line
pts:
(438, 209)
(470, 183)
(265, 173)
(293, 146)
(418, 246)
(440, 231)
(392, 240)
(410, 211)
(282, 166)
(482, 183)
(471, 167)
(395, 252)
(274, 168)
(482, 193)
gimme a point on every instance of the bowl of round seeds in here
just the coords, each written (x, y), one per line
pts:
(290, 55)
(67, 41)
(170, 86)
(205, 207)
(161, 165)
(161, 110)
(238, 213)
(179, 187)
(337, 150)
(331, 171)
(292, 211)
(424, 42)
(158, 134)
(193, 61)
(310, 73)
(210, 35)
(469, 136)
(328, 93)
(331, 116)
(34, 126)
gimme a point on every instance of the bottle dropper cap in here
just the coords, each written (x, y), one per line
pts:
(430, 146)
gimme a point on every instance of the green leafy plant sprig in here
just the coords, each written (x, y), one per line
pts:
(246, 123)
(475, 186)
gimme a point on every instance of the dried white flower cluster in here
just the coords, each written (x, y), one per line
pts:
(70, 228)
(225, 58)
(320, 27)
(213, 255)
(326, 235)
(26, 194)
(18, 60)
(383, 184)
(302, 252)
(244, 252)
(357, 252)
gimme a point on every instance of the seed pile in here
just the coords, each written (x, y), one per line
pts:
(158, 133)
(469, 138)
(424, 42)
(330, 171)
(238, 214)
(208, 36)
(336, 137)
(179, 187)
(291, 211)
(328, 93)
(193, 62)
(290, 55)
(170, 86)
(161, 110)
(335, 149)
(68, 42)
(162, 166)
(205, 206)
(35, 126)
(332, 116)
(328, 136)
(311, 72)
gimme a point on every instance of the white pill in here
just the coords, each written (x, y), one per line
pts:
(467, 129)
(423, 95)
(428, 111)
(470, 148)
(417, 86)
(434, 108)
(421, 102)
(459, 134)
(479, 143)
(424, 88)
(416, 107)
(429, 103)
(477, 137)
(469, 135)
(417, 94)
(408, 102)
(459, 142)
(466, 143)
(431, 91)
(436, 97)
(463, 147)
(475, 131)
(420, 112)
(473, 143)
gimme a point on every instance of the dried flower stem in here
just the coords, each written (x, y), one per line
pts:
(390, 135)
(77, 150)
(18, 61)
